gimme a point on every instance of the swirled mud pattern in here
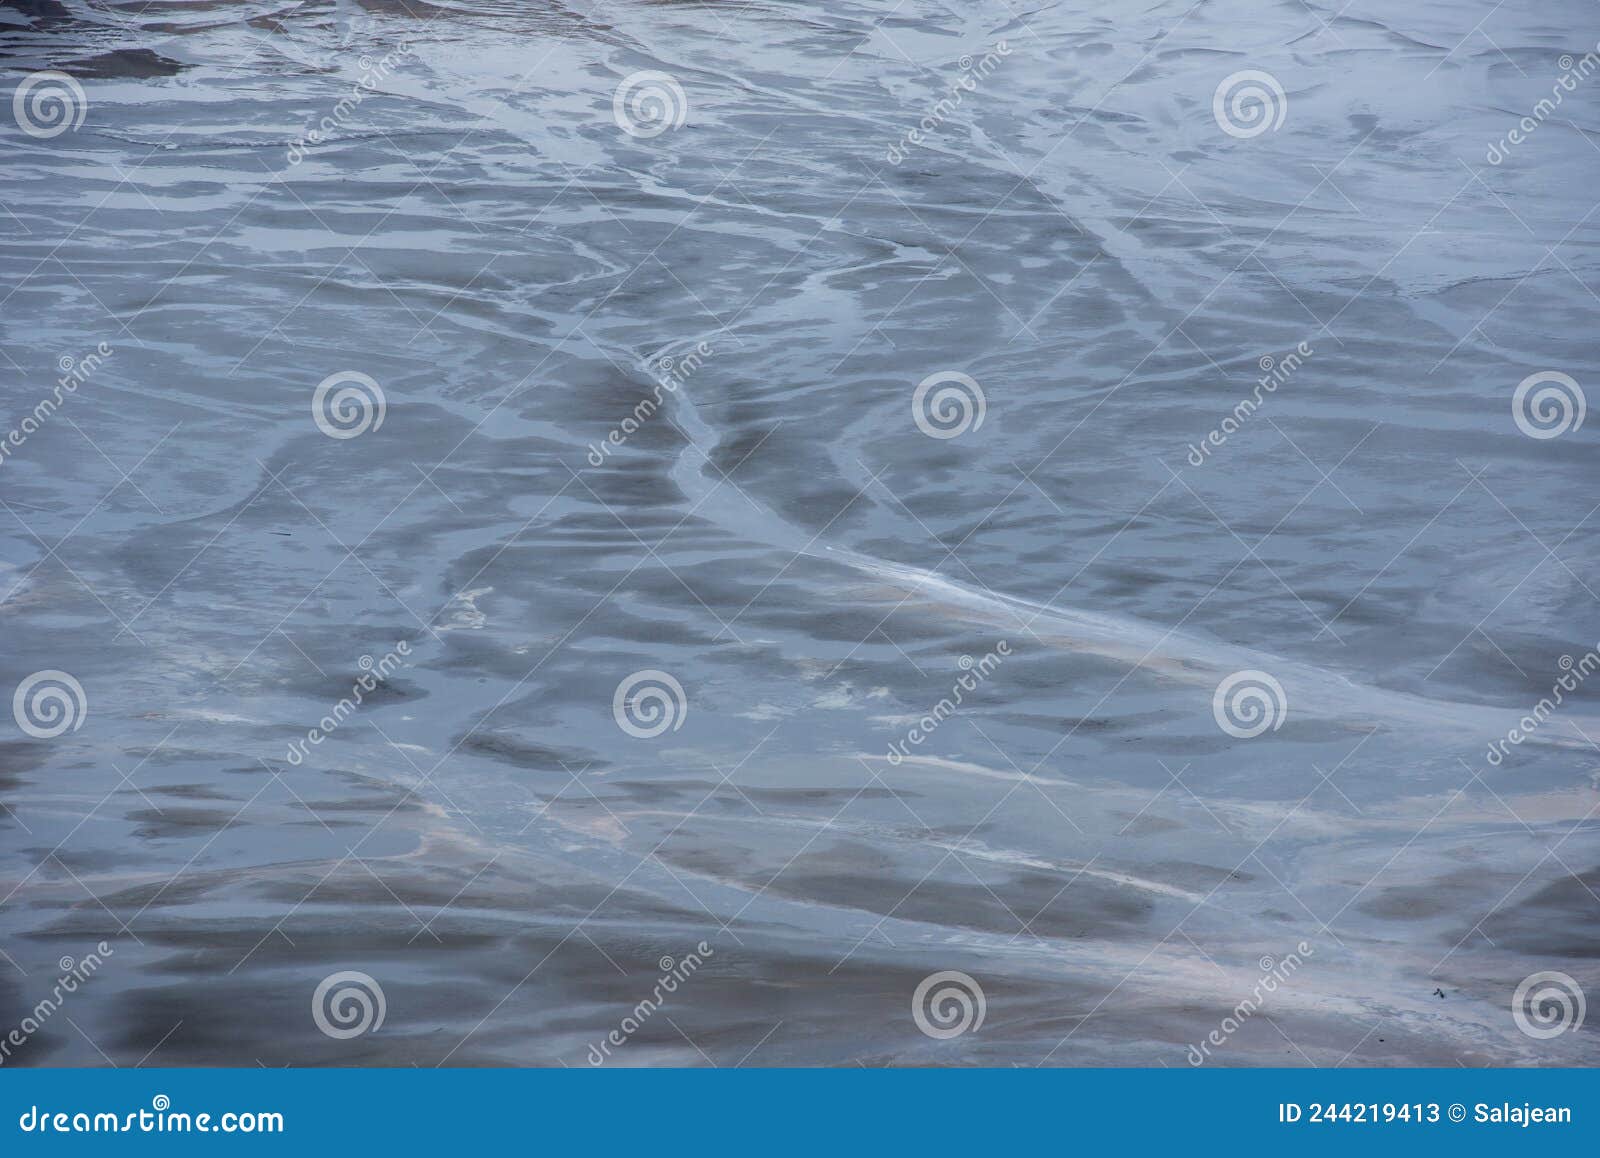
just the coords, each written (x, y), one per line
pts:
(443, 197)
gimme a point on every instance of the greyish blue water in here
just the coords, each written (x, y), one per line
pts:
(679, 533)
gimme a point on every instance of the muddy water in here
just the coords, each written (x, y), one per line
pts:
(443, 199)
